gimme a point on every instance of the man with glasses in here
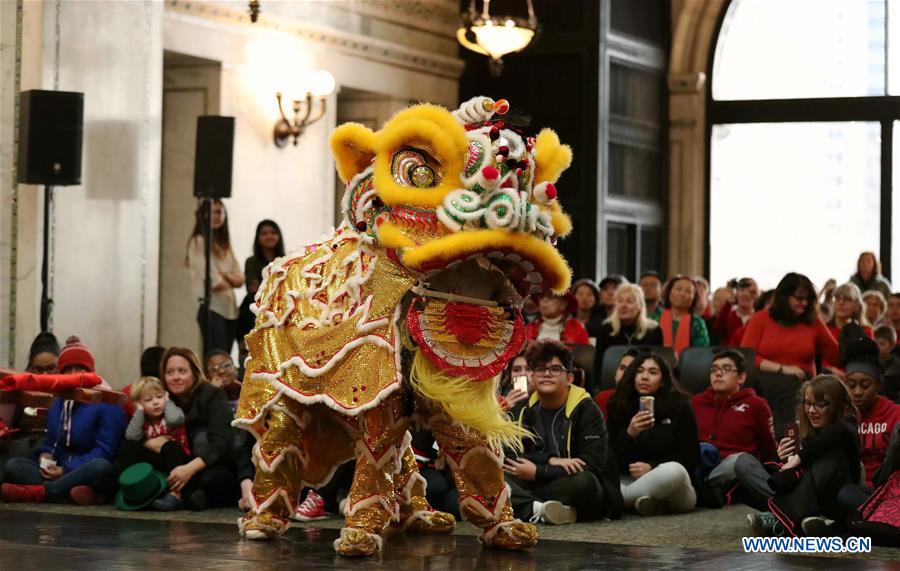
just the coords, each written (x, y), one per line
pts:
(566, 473)
(738, 424)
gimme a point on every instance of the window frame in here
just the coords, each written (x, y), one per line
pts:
(883, 109)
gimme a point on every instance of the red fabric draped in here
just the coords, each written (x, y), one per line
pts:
(682, 337)
(48, 383)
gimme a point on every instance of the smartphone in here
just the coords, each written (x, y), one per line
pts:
(792, 431)
(646, 403)
(520, 383)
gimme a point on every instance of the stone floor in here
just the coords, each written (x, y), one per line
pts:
(40, 535)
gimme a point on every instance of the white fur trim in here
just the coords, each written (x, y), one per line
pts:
(482, 509)
(487, 538)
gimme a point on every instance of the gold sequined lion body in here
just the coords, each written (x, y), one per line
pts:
(405, 314)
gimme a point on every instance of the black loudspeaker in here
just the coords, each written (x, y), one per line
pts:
(51, 128)
(213, 156)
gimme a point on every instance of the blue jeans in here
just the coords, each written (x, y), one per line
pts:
(95, 473)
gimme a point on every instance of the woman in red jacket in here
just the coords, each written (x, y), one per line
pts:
(790, 335)
(556, 322)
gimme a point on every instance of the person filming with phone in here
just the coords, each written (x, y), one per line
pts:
(654, 435)
(566, 473)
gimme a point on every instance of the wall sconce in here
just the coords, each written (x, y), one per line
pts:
(321, 85)
(496, 36)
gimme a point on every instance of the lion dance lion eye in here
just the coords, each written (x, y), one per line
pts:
(411, 168)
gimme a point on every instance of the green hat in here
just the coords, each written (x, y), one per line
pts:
(139, 485)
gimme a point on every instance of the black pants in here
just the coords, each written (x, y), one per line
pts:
(581, 491)
(169, 456)
(219, 486)
(338, 486)
(221, 331)
(817, 491)
(441, 491)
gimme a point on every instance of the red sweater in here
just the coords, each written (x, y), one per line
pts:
(742, 423)
(573, 334)
(602, 399)
(728, 325)
(875, 427)
(796, 345)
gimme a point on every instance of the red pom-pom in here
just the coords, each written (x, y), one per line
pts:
(550, 191)
(508, 183)
(519, 172)
(490, 173)
(362, 226)
(495, 133)
(503, 150)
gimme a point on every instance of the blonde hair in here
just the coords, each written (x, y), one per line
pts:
(144, 385)
(851, 290)
(643, 324)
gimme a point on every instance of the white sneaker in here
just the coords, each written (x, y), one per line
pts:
(815, 526)
(554, 513)
(342, 507)
(646, 506)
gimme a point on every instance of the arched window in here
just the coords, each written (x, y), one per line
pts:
(802, 116)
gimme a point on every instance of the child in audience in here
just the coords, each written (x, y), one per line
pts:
(877, 418)
(602, 398)
(886, 339)
(827, 459)
(82, 440)
(655, 451)
(739, 425)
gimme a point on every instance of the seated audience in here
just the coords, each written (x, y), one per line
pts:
(876, 306)
(704, 309)
(440, 490)
(868, 274)
(878, 417)
(43, 354)
(656, 450)
(733, 316)
(886, 339)
(827, 459)
(510, 396)
(156, 434)
(602, 398)
(651, 283)
(589, 310)
(628, 324)
(789, 336)
(608, 287)
(739, 425)
(720, 297)
(554, 321)
(209, 477)
(222, 373)
(150, 358)
(565, 474)
(680, 327)
(847, 308)
(82, 440)
(892, 317)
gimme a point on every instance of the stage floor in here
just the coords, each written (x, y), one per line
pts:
(47, 540)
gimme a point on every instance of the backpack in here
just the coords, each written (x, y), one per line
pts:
(880, 514)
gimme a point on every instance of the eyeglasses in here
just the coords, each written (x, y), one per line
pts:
(724, 369)
(554, 370)
(817, 405)
(222, 368)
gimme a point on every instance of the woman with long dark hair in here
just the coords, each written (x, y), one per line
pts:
(790, 335)
(267, 246)
(225, 274)
(656, 451)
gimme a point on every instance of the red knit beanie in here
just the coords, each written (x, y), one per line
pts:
(75, 353)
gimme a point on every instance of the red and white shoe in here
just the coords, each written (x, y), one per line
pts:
(310, 509)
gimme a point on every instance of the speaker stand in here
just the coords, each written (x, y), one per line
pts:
(207, 280)
(46, 302)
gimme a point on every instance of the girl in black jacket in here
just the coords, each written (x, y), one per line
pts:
(655, 452)
(828, 459)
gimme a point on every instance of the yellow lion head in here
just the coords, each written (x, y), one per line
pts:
(437, 188)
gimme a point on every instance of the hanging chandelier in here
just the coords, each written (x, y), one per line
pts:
(496, 36)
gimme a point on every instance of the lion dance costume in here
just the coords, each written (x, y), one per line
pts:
(406, 313)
